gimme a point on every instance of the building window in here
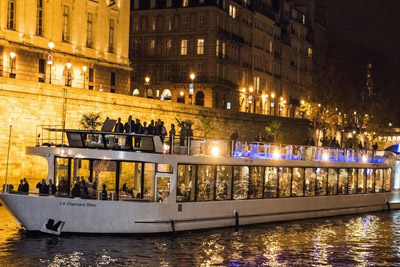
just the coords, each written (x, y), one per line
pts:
(199, 98)
(136, 24)
(167, 71)
(39, 18)
(89, 30)
(111, 37)
(217, 48)
(168, 23)
(136, 92)
(65, 26)
(91, 75)
(152, 47)
(184, 22)
(42, 70)
(112, 82)
(152, 24)
(201, 22)
(168, 45)
(182, 72)
(232, 11)
(223, 49)
(185, 3)
(200, 69)
(11, 15)
(135, 47)
(309, 52)
(183, 47)
(181, 97)
(200, 46)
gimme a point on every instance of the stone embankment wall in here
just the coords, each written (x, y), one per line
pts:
(24, 105)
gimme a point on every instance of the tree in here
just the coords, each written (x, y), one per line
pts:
(184, 125)
(90, 121)
(273, 129)
(206, 125)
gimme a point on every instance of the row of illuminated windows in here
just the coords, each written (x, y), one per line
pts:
(167, 24)
(136, 179)
(200, 45)
(168, 71)
(164, 3)
(66, 20)
(210, 182)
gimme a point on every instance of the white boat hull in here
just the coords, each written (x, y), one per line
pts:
(126, 217)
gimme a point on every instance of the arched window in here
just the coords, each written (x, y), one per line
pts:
(199, 98)
(181, 97)
(150, 93)
(166, 94)
(136, 92)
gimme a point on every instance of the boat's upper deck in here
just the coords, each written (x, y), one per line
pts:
(89, 139)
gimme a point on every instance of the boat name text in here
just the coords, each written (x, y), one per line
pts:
(90, 205)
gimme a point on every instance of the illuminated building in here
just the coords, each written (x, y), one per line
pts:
(77, 43)
(230, 46)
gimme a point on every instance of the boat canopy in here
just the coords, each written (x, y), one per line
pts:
(112, 140)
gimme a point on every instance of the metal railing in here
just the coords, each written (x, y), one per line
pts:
(50, 135)
(243, 149)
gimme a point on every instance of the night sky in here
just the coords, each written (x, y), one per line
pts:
(363, 31)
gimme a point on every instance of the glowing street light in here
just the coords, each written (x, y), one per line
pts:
(272, 104)
(50, 58)
(191, 86)
(12, 57)
(147, 83)
(69, 65)
(51, 45)
(84, 68)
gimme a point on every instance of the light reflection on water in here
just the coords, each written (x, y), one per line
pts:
(358, 240)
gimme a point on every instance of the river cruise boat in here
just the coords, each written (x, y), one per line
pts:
(196, 184)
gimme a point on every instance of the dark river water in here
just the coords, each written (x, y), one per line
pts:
(359, 240)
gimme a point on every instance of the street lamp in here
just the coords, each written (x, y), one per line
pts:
(50, 57)
(12, 57)
(251, 89)
(272, 105)
(191, 87)
(84, 68)
(69, 74)
(264, 103)
(146, 83)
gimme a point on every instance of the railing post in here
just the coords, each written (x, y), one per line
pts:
(172, 145)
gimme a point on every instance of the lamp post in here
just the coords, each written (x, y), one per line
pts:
(191, 87)
(69, 74)
(12, 57)
(250, 98)
(282, 103)
(264, 103)
(50, 58)
(146, 83)
(84, 68)
(272, 105)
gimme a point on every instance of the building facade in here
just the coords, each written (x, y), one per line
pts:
(78, 43)
(250, 56)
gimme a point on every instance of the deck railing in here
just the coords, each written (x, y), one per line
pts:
(261, 150)
(51, 135)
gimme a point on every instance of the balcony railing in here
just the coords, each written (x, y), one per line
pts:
(51, 135)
